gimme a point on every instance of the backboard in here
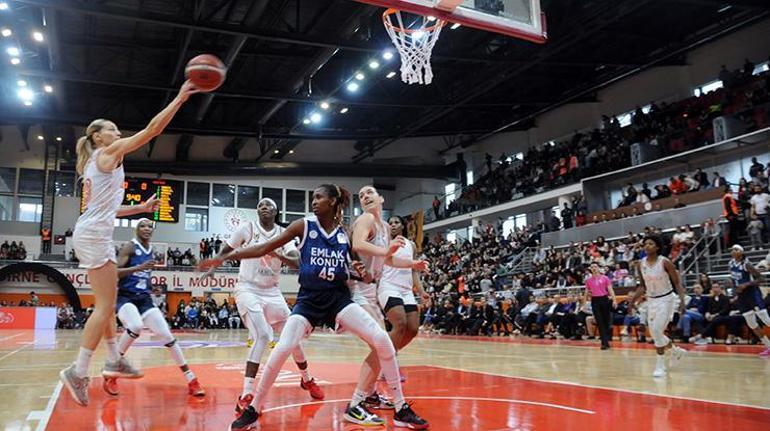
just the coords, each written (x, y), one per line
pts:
(522, 19)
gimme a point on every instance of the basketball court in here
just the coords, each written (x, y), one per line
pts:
(459, 383)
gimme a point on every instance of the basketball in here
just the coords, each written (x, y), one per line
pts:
(206, 71)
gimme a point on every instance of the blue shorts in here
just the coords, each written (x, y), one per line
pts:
(142, 302)
(750, 299)
(321, 307)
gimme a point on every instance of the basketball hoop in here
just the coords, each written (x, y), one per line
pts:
(414, 45)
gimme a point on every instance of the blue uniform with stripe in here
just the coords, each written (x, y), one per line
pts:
(751, 297)
(136, 288)
(323, 274)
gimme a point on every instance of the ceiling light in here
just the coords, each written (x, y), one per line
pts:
(387, 55)
(47, 88)
(344, 111)
(6, 32)
(324, 105)
(725, 8)
(306, 121)
(26, 94)
(315, 118)
(455, 26)
(353, 87)
(27, 103)
(276, 151)
(37, 36)
(40, 137)
(291, 151)
(15, 61)
(373, 64)
(21, 83)
(360, 76)
(390, 75)
(13, 51)
(3, 5)
(58, 138)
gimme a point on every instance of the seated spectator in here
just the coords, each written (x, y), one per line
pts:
(695, 312)
(718, 313)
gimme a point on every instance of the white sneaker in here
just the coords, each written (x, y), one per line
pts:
(677, 353)
(701, 342)
(659, 372)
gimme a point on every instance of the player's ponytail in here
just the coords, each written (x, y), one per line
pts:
(86, 146)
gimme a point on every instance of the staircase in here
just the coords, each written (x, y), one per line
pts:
(716, 265)
(522, 262)
(51, 166)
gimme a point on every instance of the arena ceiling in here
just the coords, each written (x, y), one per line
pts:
(123, 59)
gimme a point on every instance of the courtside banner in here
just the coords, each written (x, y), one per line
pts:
(17, 317)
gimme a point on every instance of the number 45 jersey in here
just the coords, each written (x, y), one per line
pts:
(324, 258)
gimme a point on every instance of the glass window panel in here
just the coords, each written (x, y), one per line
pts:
(196, 219)
(274, 194)
(198, 193)
(30, 209)
(64, 184)
(248, 197)
(31, 181)
(295, 201)
(8, 180)
(6, 208)
(291, 217)
(223, 195)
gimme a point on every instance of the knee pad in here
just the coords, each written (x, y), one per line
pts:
(133, 334)
(751, 319)
(171, 343)
(764, 317)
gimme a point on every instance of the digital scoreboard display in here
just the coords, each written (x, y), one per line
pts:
(138, 190)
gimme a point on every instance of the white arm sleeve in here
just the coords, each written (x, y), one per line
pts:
(241, 236)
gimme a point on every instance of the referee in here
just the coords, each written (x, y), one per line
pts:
(599, 291)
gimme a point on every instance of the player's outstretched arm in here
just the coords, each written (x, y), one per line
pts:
(112, 154)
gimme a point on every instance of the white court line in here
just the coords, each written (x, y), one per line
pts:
(631, 391)
(499, 400)
(14, 352)
(45, 415)
(11, 336)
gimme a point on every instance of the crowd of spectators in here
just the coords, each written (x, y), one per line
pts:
(206, 314)
(208, 247)
(668, 128)
(13, 251)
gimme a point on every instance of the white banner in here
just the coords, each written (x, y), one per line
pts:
(176, 281)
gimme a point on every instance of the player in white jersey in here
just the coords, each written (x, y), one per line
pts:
(370, 240)
(260, 303)
(395, 291)
(659, 281)
(100, 163)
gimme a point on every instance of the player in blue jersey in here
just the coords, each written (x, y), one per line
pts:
(324, 297)
(135, 308)
(746, 279)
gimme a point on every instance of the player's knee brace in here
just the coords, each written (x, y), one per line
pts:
(764, 317)
(134, 331)
(170, 343)
(751, 320)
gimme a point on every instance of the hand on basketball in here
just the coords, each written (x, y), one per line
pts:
(421, 266)
(152, 204)
(395, 244)
(187, 90)
(208, 264)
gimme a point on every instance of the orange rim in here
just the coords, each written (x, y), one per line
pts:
(391, 11)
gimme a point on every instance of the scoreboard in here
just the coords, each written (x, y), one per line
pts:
(138, 190)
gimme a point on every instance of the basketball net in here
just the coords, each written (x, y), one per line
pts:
(414, 45)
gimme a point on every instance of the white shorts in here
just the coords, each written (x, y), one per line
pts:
(364, 293)
(386, 291)
(92, 251)
(660, 311)
(270, 302)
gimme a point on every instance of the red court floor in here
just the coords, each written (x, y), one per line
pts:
(449, 399)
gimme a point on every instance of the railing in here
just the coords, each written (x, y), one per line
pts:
(699, 249)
